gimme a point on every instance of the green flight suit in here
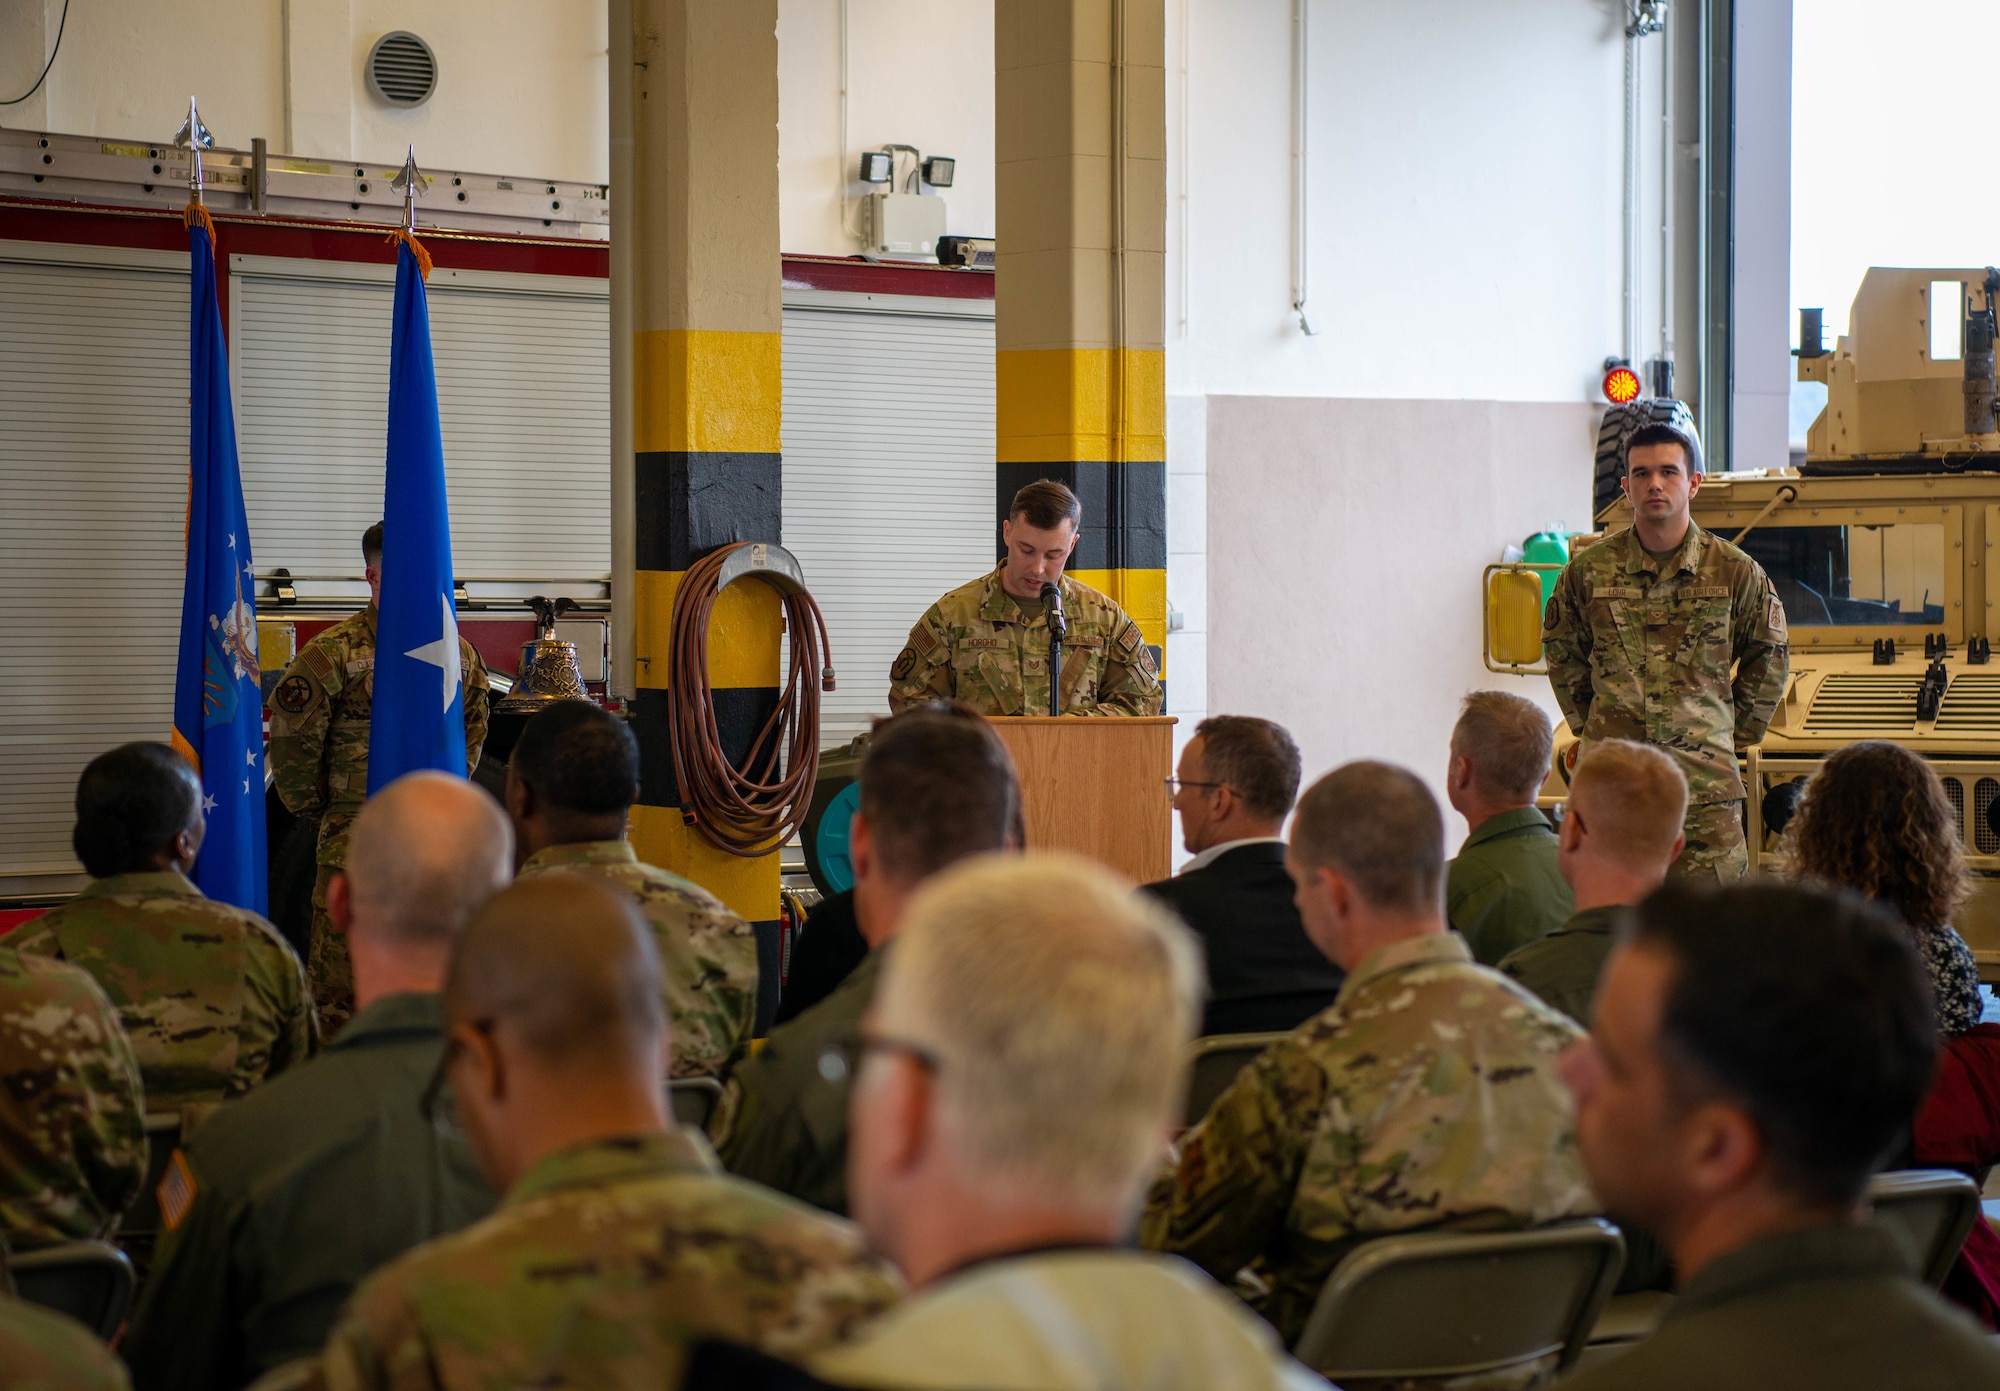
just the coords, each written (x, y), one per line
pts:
(293, 1194)
(1563, 967)
(1503, 890)
(1827, 1308)
(782, 1120)
(602, 1266)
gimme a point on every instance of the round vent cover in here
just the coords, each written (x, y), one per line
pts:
(402, 70)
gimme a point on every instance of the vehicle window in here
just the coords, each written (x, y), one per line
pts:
(1855, 575)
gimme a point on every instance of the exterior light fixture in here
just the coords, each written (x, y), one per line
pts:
(938, 170)
(877, 167)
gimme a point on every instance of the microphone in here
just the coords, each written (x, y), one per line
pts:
(1053, 609)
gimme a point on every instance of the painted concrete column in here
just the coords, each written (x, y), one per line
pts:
(704, 309)
(1080, 149)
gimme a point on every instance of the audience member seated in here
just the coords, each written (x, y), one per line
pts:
(213, 1000)
(1875, 819)
(1621, 828)
(572, 778)
(1426, 1097)
(617, 1242)
(41, 1350)
(937, 786)
(1018, 1069)
(1959, 1128)
(285, 1199)
(828, 948)
(72, 1109)
(1238, 779)
(1503, 890)
(1754, 1052)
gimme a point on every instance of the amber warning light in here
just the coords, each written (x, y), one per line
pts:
(1621, 384)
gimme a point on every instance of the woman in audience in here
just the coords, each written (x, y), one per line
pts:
(1875, 819)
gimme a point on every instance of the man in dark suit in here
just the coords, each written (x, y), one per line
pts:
(1238, 778)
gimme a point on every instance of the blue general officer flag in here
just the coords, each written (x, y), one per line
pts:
(218, 704)
(417, 714)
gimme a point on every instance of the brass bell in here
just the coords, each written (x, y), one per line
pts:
(549, 670)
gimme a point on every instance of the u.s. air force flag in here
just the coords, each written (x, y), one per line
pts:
(417, 715)
(218, 701)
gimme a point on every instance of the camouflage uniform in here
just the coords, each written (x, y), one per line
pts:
(1425, 1097)
(602, 1266)
(72, 1111)
(41, 1350)
(708, 955)
(1634, 653)
(212, 999)
(974, 645)
(319, 764)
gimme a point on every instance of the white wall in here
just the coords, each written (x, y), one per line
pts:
(918, 73)
(521, 83)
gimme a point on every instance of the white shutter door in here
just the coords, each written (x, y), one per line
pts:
(93, 469)
(888, 490)
(523, 400)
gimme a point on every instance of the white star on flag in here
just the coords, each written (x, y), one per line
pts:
(246, 784)
(250, 757)
(208, 803)
(443, 654)
(232, 540)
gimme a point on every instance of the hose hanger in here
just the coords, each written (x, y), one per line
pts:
(753, 809)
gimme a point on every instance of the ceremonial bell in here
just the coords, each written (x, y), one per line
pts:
(549, 671)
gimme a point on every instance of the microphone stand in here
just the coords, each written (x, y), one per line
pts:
(1058, 629)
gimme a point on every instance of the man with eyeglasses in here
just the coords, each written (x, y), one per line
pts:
(285, 1199)
(618, 1242)
(1017, 1073)
(1238, 778)
(937, 787)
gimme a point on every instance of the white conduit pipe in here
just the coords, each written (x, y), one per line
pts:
(1300, 112)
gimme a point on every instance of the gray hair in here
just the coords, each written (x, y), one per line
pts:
(1508, 740)
(427, 852)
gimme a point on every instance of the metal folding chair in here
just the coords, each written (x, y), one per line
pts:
(91, 1281)
(1213, 1063)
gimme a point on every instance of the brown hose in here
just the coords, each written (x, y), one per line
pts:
(751, 810)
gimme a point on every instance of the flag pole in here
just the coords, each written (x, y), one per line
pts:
(411, 182)
(193, 136)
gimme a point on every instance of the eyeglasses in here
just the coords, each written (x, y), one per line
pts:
(1174, 785)
(437, 1105)
(841, 1062)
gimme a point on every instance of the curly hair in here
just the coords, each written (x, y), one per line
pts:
(1875, 819)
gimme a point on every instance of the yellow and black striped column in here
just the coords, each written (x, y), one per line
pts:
(705, 313)
(1080, 147)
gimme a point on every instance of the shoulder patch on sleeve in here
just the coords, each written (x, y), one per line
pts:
(319, 662)
(176, 1191)
(295, 695)
(923, 641)
(1148, 661)
(1129, 639)
(906, 662)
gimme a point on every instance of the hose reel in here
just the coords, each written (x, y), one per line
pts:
(748, 811)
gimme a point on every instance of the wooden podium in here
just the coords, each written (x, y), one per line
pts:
(1095, 785)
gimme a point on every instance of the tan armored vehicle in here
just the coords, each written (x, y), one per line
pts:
(1882, 547)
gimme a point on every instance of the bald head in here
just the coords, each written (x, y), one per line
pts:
(569, 964)
(426, 852)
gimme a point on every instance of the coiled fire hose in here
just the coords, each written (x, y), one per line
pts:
(751, 809)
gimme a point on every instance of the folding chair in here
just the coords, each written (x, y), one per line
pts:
(693, 1100)
(1512, 1307)
(1213, 1063)
(1930, 1211)
(91, 1281)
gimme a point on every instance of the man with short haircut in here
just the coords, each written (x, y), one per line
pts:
(1621, 829)
(1755, 1053)
(1426, 1097)
(937, 787)
(283, 1200)
(1503, 890)
(1238, 778)
(570, 782)
(617, 1244)
(1021, 1062)
(213, 1000)
(1674, 637)
(987, 642)
(320, 710)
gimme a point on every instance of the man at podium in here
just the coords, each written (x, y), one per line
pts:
(987, 643)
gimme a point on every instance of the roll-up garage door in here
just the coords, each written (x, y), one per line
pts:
(523, 373)
(93, 469)
(888, 440)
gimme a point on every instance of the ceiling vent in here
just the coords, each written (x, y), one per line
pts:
(402, 70)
